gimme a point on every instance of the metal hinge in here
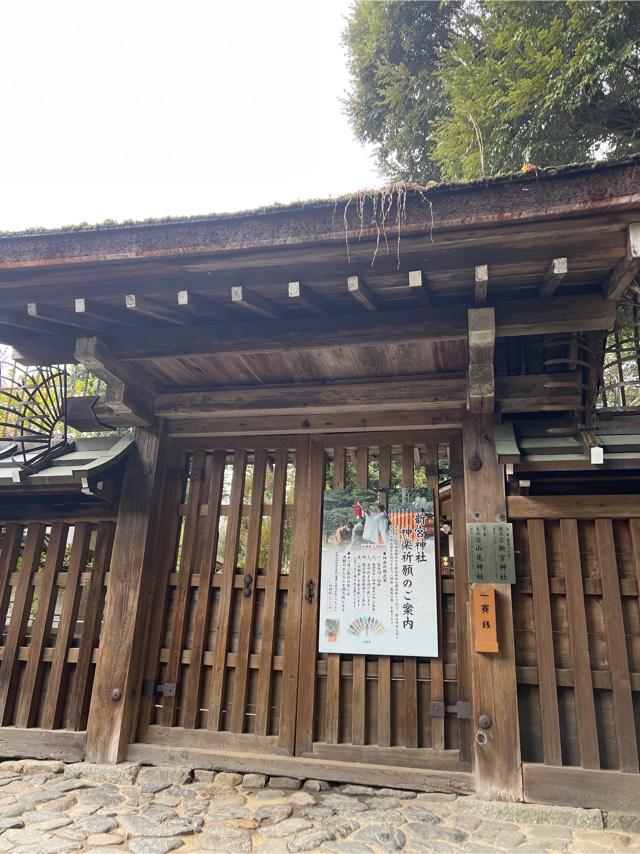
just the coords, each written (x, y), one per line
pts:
(462, 709)
(167, 689)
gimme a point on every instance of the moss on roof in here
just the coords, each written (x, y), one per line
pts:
(432, 186)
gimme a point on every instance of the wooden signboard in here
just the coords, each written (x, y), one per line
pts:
(483, 605)
(490, 553)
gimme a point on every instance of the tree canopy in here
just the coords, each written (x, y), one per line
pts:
(463, 89)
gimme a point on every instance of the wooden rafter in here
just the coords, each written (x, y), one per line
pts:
(362, 294)
(100, 311)
(308, 298)
(482, 339)
(481, 283)
(254, 302)
(555, 273)
(148, 307)
(62, 318)
(419, 288)
(197, 306)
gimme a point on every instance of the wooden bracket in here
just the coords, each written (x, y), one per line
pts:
(627, 267)
(124, 397)
(482, 339)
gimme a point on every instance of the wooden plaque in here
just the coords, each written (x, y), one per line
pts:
(485, 634)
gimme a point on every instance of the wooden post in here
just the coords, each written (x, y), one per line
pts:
(116, 686)
(497, 764)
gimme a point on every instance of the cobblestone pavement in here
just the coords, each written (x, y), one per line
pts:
(50, 807)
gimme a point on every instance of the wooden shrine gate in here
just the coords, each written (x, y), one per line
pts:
(232, 669)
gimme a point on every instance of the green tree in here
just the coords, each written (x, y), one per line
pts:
(460, 90)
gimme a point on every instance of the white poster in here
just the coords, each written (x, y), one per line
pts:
(378, 574)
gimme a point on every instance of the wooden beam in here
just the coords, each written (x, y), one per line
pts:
(63, 318)
(539, 392)
(555, 273)
(581, 787)
(254, 302)
(361, 293)
(573, 507)
(14, 323)
(89, 414)
(627, 267)
(148, 307)
(419, 288)
(448, 323)
(195, 305)
(125, 397)
(481, 283)
(493, 676)
(308, 298)
(482, 339)
(366, 396)
(94, 310)
(131, 577)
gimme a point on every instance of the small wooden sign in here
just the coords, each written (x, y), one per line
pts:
(483, 606)
(490, 553)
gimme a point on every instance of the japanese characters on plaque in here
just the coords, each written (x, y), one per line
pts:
(490, 553)
(378, 573)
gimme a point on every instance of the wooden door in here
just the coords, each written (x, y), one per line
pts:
(403, 712)
(222, 662)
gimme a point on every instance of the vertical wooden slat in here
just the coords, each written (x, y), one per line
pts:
(312, 537)
(332, 708)
(8, 560)
(359, 683)
(54, 700)
(384, 661)
(410, 665)
(193, 682)
(461, 587)
(165, 552)
(19, 617)
(437, 664)
(28, 701)
(183, 588)
(616, 648)
(339, 467)
(105, 535)
(219, 676)
(265, 675)
(579, 641)
(551, 745)
(241, 680)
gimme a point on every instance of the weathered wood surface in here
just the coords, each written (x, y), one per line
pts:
(42, 744)
(573, 507)
(605, 790)
(121, 647)
(493, 676)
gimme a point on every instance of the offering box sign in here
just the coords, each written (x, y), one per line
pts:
(378, 573)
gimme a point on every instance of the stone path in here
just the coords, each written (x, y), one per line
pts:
(50, 807)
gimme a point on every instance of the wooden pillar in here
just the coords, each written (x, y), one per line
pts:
(497, 764)
(116, 686)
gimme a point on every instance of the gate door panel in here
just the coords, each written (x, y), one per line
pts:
(223, 643)
(389, 710)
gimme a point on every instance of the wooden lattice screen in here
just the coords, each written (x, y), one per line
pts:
(577, 635)
(52, 582)
(216, 649)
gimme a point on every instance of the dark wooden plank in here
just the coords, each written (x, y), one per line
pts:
(339, 467)
(195, 674)
(362, 467)
(28, 700)
(19, 619)
(241, 678)
(436, 760)
(460, 590)
(616, 648)
(573, 507)
(544, 643)
(579, 643)
(91, 624)
(494, 686)
(182, 591)
(267, 648)
(332, 706)
(8, 560)
(35, 743)
(309, 616)
(358, 700)
(125, 627)
(634, 533)
(219, 673)
(55, 697)
(578, 787)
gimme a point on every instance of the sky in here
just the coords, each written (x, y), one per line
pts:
(127, 109)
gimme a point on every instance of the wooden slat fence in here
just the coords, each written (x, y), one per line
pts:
(53, 581)
(577, 630)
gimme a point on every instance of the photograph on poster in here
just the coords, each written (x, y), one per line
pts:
(378, 572)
